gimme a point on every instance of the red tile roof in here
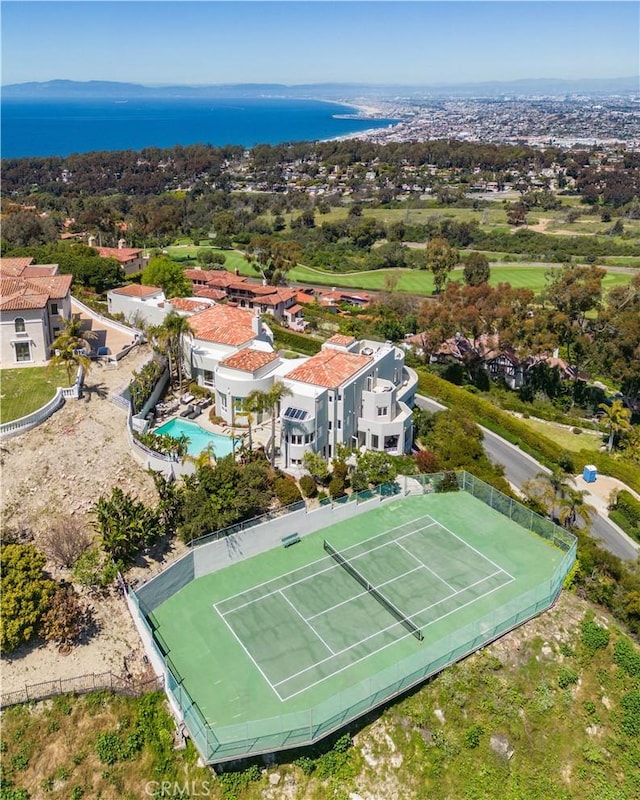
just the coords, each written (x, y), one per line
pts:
(189, 304)
(122, 254)
(14, 267)
(303, 297)
(213, 277)
(207, 291)
(329, 368)
(249, 360)
(223, 324)
(23, 293)
(137, 290)
(341, 339)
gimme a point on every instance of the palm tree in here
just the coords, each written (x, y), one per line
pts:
(177, 327)
(574, 508)
(74, 327)
(160, 339)
(203, 459)
(67, 353)
(617, 418)
(254, 403)
(272, 400)
(549, 491)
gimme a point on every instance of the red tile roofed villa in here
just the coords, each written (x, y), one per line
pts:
(131, 259)
(329, 368)
(230, 352)
(33, 301)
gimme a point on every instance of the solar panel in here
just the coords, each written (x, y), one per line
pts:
(295, 413)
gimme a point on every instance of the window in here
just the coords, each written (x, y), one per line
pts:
(19, 325)
(54, 308)
(23, 351)
(330, 397)
(339, 395)
(207, 377)
(330, 425)
(374, 442)
(310, 437)
(296, 438)
(339, 424)
(223, 402)
(382, 411)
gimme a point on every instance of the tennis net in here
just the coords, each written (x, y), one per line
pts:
(375, 593)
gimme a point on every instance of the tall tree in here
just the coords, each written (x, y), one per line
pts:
(476, 269)
(617, 419)
(273, 398)
(163, 272)
(177, 327)
(440, 258)
(272, 258)
(67, 353)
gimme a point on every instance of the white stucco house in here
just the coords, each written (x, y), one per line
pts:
(353, 392)
(34, 301)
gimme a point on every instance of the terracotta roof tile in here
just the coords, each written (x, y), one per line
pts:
(223, 324)
(208, 291)
(249, 360)
(40, 271)
(55, 286)
(13, 267)
(122, 254)
(213, 277)
(137, 290)
(341, 339)
(189, 304)
(329, 368)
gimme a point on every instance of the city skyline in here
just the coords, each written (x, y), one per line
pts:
(404, 43)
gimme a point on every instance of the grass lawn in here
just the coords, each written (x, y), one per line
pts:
(519, 275)
(26, 389)
(565, 437)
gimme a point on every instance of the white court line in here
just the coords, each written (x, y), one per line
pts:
(395, 624)
(286, 599)
(362, 594)
(379, 650)
(333, 565)
(250, 656)
(409, 553)
(471, 547)
(317, 561)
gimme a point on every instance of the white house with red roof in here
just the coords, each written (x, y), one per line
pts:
(34, 300)
(354, 393)
(131, 259)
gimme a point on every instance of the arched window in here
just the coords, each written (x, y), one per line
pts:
(19, 325)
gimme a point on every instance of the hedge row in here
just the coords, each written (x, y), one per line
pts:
(517, 432)
(623, 522)
(296, 341)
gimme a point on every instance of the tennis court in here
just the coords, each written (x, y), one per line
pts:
(307, 625)
(280, 648)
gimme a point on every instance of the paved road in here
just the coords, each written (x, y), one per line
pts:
(520, 466)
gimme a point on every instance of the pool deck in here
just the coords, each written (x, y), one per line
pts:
(260, 433)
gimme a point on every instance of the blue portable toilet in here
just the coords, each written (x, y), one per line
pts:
(590, 473)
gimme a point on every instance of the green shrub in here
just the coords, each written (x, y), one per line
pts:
(594, 636)
(449, 483)
(630, 721)
(308, 486)
(306, 764)
(336, 487)
(472, 736)
(567, 677)
(286, 490)
(627, 657)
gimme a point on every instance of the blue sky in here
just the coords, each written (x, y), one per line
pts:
(205, 42)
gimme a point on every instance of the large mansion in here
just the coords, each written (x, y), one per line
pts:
(34, 299)
(358, 393)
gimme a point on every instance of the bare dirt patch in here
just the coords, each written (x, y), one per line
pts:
(58, 470)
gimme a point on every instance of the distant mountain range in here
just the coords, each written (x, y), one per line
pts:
(64, 89)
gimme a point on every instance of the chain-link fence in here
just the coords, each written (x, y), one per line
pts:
(223, 743)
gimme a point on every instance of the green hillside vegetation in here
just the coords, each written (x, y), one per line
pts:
(550, 710)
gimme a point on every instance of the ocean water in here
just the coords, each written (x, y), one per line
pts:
(60, 127)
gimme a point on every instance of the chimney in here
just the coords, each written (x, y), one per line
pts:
(121, 244)
(256, 323)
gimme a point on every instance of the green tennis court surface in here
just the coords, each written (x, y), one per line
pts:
(291, 628)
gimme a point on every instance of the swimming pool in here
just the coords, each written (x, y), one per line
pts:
(198, 437)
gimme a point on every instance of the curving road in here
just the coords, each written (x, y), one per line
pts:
(520, 466)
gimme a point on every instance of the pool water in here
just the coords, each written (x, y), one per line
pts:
(198, 437)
